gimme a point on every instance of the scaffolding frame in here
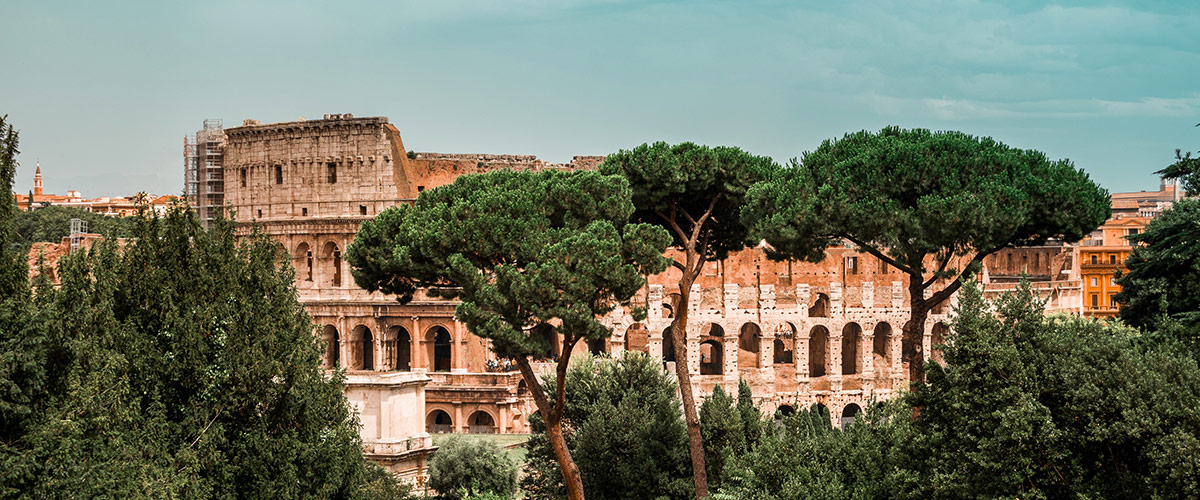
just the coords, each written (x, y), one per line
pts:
(78, 228)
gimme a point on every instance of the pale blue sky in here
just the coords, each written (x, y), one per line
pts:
(103, 92)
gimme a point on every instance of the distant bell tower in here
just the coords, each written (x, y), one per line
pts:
(37, 181)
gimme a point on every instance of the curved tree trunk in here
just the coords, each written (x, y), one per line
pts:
(553, 419)
(914, 331)
(679, 345)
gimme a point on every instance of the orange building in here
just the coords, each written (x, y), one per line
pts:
(1101, 255)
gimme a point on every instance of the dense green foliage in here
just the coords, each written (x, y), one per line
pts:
(724, 434)
(180, 365)
(519, 250)
(1161, 290)
(466, 467)
(53, 223)
(627, 435)
(1027, 406)
(677, 185)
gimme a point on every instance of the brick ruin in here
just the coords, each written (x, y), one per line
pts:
(800, 333)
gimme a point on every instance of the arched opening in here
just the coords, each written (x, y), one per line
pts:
(749, 345)
(849, 414)
(710, 357)
(401, 349)
(668, 345)
(937, 338)
(481, 422)
(545, 335)
(818, 345)
(522, 388)
(820, 307)
(820, 410)
(438, 422)
(882, 345)
(637, 339)
(850, 340)
(302, 260)
(332, 346)
(670, 305)
(439, 347)
(363, 356)
(597, 347)
(333, 255)
(785, 411)
(783, 355)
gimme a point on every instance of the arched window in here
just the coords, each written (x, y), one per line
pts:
(850, 338)
(363, 345)
(439, 346)
(710, 357)
(820, 307)
(818, 345)
(438, 422)
(749, 345)
(302, 260)
(668, 345)
(937, 338)
(332, 346)
(849, 414)
(333, 255)
(481, 422)
(401, 349)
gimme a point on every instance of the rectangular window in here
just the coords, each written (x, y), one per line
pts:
(1112, 302)
(260, 214)
(243, 176)
(420, 188)
(362, 210)
(1094, 283)
(1133, 232)
(279, 174)
(1095, 300)
(1112, 259)
(1095, 259)
(304, 211)
(851, 265)
(1112, 281)
(331, 173)
(883, 267)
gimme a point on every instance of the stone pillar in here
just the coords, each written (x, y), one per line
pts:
(803, 295)
(867, 346)
(459, 424)
(801, 358)
(695, 296)
(502, 425)
(766, 297)
(654, 303)
(897, 295)
(868, 294)
(417, 357)
(731, 298)
(344, 342)
(833, 359)
(835, 299)
(458, 349)
(730, 356)
(898, 372)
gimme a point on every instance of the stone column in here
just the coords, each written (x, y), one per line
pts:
(800, 351)
(417, 355)
(833, 358)
(867, 347)
(459, 423)
(457, 348)
(502, 425)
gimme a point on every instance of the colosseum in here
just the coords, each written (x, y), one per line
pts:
(799, 333)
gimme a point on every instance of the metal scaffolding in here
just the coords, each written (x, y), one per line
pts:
(204, 176)
(78, 228)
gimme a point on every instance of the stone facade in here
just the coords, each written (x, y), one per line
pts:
(800, 333)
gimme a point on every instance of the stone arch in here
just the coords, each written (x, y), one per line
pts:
(363, 345)
(881, 348)
(548, 337)
(670, 305)
(785, 344)
(401, 349)
(711, 354)
(438, 422)
(332, 254)
(440, 349)
(329, 335)
(668, 345)
(302, 261)
(637, 338)
(849, 414)
(851, 337)
(818, 346)
(785, 411)
(937, 338)
(820, 306)
(481, 422)
(749, 345)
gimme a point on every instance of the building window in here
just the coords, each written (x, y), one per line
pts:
(1095, 300)
(331, 172)
(362, 210)
(420, 188)
(1132, 232)
(851, 265)
(304, 211)
(260, 213)
(1094, 283)
(243, 176)
(883, 267)
(1112, 259)
(279, 174)
(1112, 281)
(1095, 259)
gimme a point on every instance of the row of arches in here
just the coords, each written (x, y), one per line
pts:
(480, 422)
(323, 266)
(749, 342)
(359, 348)
(849, 413)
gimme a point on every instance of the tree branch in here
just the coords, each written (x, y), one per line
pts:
(945, 293)
(941, 267)
(882, 256)
(673, 224)
(712, 205)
